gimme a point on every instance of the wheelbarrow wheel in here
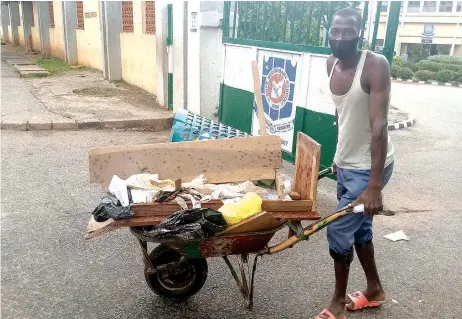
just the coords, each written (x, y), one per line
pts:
(178, 282)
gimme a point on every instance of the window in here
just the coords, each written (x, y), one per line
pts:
(446, 6)
(80, 19)
(51, 13)
(127, 16)
(150, 17)
(429, 6)
(384, 7)
(459, 6)
(378, 45)
(413, 6)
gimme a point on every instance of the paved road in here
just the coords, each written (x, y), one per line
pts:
(50, 271)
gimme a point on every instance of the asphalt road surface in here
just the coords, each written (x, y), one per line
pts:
(50, 271)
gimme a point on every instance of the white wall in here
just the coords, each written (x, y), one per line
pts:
(211, 56)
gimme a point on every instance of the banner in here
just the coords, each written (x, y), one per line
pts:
(279, 79)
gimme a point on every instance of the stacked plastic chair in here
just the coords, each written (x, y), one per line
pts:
(188, 126)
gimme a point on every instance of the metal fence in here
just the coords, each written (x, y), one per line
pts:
(299, 25)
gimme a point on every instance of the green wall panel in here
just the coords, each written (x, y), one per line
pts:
(319, 126)
(236, 108)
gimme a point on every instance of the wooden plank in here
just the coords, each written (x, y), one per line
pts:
(258, 98)
(306, 167)
(154, 220)
(221, 160)
(165, 209)
(287, 206)
(279, 185)
(259, 222)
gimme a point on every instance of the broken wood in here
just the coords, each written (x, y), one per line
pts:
(166, 209)
(221, 161)
(258, 222)
(258, 98)
(307, 167)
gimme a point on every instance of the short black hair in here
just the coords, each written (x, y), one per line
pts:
(350, 12)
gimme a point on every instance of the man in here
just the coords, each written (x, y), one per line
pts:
(359, 82)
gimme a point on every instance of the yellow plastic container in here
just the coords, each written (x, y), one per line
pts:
(247, 207)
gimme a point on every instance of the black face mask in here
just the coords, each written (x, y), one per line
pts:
(344, 49)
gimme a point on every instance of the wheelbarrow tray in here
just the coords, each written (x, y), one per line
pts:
(217, 246)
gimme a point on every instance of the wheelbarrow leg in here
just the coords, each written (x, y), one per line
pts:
(242, 283)
(147, 261)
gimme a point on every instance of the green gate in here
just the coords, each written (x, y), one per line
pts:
(289, 36)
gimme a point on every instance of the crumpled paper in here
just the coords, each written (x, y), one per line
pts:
(399, 235)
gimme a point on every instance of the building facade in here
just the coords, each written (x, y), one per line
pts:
(425, 28)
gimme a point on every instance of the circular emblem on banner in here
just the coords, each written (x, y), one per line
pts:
(277, 88)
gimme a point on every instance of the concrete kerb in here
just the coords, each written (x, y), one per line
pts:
(155, 125)
(451, 84)
(402, 124)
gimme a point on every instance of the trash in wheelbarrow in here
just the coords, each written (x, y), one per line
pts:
(110, 207)
(190, 224)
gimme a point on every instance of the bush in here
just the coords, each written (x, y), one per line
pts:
(445, 76)
(435, 67)
(428, 66)
(459, 78)
(397, 60)
(411, 66)
(446, 59)
(394, 70)
(424, 75)
(405, 74)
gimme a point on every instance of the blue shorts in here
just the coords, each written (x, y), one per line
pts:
(352, 228)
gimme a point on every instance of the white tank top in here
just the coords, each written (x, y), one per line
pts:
(354, 131)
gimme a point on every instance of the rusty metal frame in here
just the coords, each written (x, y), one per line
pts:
(243, 282)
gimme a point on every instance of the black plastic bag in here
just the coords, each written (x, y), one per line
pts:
(110, 207)
(197, 223)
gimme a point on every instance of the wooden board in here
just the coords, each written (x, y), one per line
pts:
(221, 161)
(154, 220)
(259, 222)
(307, 167)
(258, 98)
(165, 209)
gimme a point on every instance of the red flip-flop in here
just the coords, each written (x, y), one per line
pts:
(326, 314)
(360, 301)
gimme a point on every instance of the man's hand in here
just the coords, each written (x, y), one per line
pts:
(334, 168)
(372, 200)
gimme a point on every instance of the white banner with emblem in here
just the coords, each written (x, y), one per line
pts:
(280, 80)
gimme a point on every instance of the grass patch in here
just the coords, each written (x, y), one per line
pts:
(53, 65)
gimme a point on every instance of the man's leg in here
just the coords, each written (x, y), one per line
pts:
(374, 290)
(365, 252)
(340, 234)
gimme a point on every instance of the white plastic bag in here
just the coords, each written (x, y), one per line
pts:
(118, 187)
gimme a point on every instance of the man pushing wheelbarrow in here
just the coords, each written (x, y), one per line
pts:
(359, 83)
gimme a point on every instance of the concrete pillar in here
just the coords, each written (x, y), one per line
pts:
(5, 15)
(193, 58)
(161, 52)
(180, 49)
(44, 27)
(27, 13)
(69, 9)
(111, 27)
(14, 21)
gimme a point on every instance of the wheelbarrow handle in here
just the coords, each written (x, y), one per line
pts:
(325, 172)
(313, 228)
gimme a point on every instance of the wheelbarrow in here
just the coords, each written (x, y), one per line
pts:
(178, 269)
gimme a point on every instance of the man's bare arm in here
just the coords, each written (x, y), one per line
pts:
(379, 85)
(378, 113)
